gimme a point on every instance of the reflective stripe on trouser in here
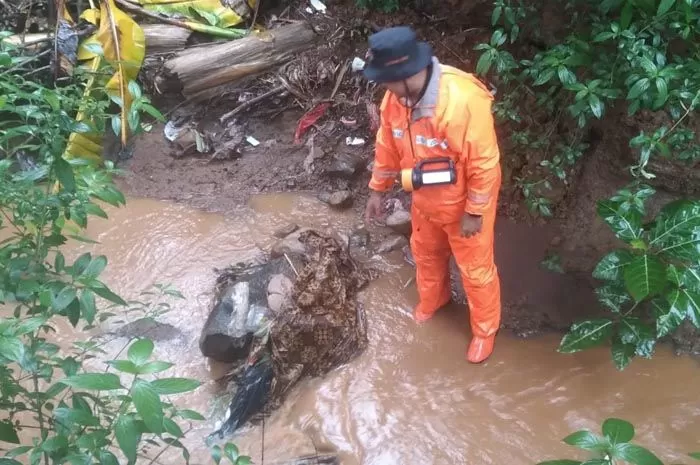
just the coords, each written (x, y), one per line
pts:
(431, 245)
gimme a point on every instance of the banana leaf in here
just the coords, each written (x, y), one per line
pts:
(119, 42)
(206, 16)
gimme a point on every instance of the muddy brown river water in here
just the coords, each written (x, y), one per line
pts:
(411, 398)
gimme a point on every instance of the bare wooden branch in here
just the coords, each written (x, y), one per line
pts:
(251, 102)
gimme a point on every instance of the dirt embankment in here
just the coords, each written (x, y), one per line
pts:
(323, 163)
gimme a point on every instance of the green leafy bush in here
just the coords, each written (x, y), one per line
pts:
(613, 447)
(651, 285)
(641, 55)
(55, 408)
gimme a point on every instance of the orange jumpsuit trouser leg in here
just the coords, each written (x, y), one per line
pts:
(431, 251)
(431, 245)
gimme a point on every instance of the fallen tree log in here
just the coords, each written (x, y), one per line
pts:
(202, 68)
(164, 38)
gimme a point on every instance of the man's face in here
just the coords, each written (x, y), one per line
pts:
(397, 88)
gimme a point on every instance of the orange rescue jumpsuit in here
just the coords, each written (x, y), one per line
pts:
(453, 118)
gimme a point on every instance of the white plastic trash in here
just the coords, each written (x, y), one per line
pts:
(354, 141)
(318, 5)
(358, 64)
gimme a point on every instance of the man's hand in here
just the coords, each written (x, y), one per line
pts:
(374, 206)
(471, 225)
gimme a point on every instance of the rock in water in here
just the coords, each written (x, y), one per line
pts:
(285, 231)
(359, 238)
(290, 245)
(392, 243)
(226, 336)
(279, 292)
(338, 200)
(400, 222)
(344, 165)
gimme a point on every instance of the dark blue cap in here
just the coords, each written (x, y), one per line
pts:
(395, 54)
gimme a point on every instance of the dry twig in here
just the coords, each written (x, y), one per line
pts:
(251, 102)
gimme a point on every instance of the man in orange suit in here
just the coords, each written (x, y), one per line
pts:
(431, 111)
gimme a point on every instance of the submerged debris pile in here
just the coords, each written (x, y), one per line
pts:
(293, 317)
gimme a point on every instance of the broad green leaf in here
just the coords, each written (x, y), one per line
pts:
(8, 433)
(627, 226)
(11, 348)
(484, 63)
(690, 278)
(68, 416)
(662, 89)
(622, 354)
(231, 451)
(587, 440)
(586, 334)
(127, 436)
(191, 415)
(639, 88)
(154, 367)
(633, 330)
(172, 428)
(80, 264)
(216, 454)
(64, 174)
(73, 312)
(686, 303)
(566, 76)
(626, 14)
(103, 291)
(134, 89)
(167, 386)
(597, 106)
(87, 305)
(668, 314)
(70, 366)
(676, 231)
(94, 381)
(245, 460)
(495, 15)
(59, 262)
(618, 431)
(64, 298)
(17, 451)
(140, 351)
(93, 209)
(6, 461)
(611, 266)
(5, 59)
(695, 455)
(96, 266)
(125, 366)
(644, 276)
(613, 296)
(664, 6)
(55, 390)
(148, 405)
(635, 454)
(29, 325)
(108, 458)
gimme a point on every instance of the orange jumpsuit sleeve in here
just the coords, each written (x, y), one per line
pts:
(386, 157)
(481, 153)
